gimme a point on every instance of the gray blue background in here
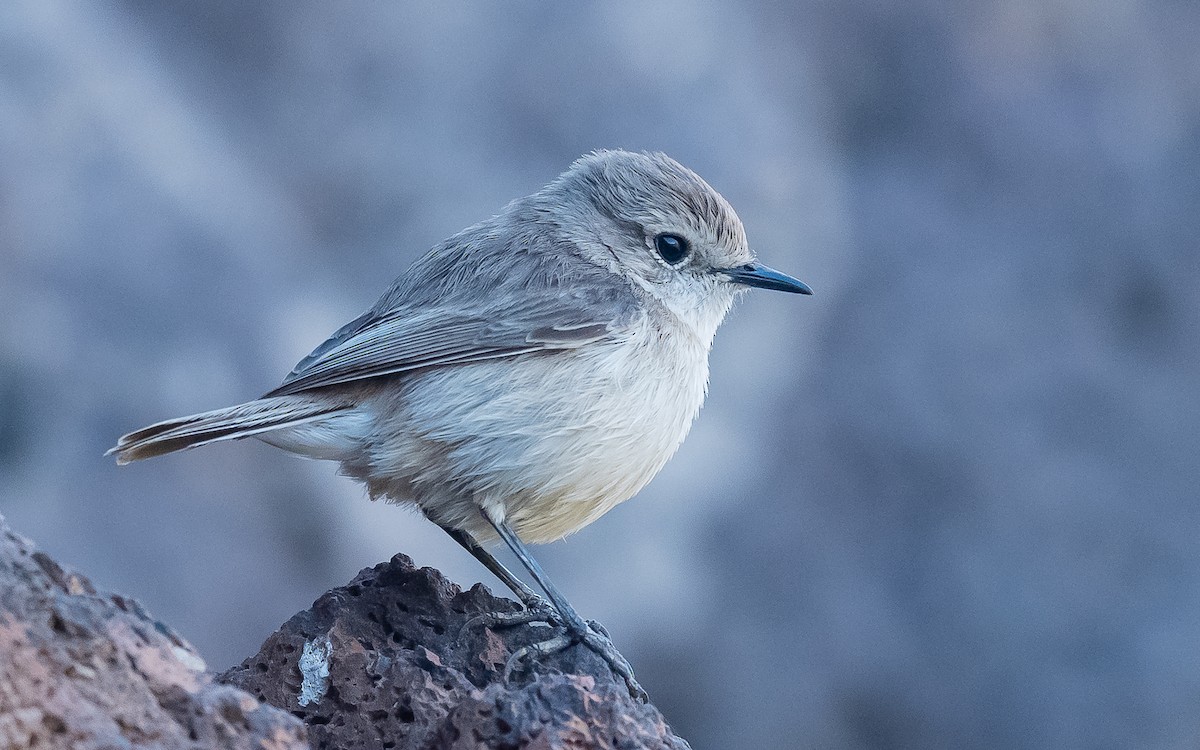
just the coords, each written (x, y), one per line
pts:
(948, 502)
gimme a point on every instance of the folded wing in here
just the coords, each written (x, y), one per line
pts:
(407, 340)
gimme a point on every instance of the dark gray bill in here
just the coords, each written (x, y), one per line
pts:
(753, 274)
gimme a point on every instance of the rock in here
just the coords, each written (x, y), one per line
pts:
(385, 662)
(84, 669)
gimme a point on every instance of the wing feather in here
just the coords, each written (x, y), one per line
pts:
(482, 294)
(406, 340)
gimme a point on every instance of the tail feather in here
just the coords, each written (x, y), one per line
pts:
(230, 423)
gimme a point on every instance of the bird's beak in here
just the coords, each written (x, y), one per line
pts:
(754, 274)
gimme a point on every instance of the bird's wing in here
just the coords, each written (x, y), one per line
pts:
(438, 335)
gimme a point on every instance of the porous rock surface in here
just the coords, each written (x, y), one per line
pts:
(84, 670)
(386, 662)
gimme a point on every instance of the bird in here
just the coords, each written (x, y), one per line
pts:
(526, 375)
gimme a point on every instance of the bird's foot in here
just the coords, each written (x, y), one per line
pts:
(595, 638)
(536, 610)
(591, 634)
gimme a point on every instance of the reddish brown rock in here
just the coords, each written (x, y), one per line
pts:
(379, 663)
(385, 662)
(83, 669)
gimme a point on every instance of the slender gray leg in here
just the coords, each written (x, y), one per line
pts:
(577, 628)
(537, 609)
(527, 595)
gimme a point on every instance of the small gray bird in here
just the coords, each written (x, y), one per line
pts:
(527, 374)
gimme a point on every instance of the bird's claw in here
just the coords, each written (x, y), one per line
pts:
(535, 650)
(592, 635)
(535, 611)
(601, 645)
(595, 639)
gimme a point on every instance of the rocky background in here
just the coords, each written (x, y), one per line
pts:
(950, 501)
(85, 670)
(395, 659)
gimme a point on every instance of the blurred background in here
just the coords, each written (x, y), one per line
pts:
(948, 502)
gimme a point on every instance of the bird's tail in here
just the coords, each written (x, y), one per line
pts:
(230, 423)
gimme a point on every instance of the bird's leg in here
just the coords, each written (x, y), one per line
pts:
(537, 609)
(578, 631)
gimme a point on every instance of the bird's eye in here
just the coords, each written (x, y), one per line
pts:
(672, 248)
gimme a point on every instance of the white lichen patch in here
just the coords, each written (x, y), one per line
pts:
(188, 659)
(314, 669)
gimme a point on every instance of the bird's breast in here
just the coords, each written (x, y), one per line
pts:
(557, 439)
(619, 414)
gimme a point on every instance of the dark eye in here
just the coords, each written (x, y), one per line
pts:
(672, 248)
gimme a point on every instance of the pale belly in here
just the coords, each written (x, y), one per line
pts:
(552, 441)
